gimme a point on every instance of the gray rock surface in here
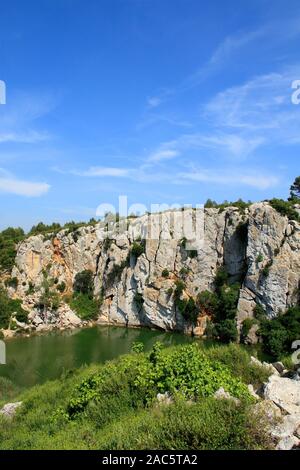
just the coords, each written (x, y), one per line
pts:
(234, 238)
(285, 393)
(9, 410)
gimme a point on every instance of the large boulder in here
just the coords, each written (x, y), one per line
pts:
(10, 409)
(284, 392)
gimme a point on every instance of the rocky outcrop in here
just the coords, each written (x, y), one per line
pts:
(273, 262)
(9, 410)
(259, 248)
(283, 396)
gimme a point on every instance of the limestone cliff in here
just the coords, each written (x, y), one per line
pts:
(259, 248)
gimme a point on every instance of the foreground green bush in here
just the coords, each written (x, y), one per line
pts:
(114, 406)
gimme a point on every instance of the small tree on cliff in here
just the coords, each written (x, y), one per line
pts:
(84, 283)
(295, 189)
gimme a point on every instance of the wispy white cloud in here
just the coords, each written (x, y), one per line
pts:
(95, 171)
(219, 56)
(27, 137)
(259, 112)
(153, 101)
(266, 35)
(19, 118)
(148, 173)
(12, 185)
(162, 155)
(257, 181)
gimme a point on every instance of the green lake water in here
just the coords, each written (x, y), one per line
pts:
(35, 359)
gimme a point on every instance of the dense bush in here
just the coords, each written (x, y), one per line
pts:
(137, 249)
(279, 333)
(8, 307)
(221, 305)
(208, 302)
(236, 358)
(88, 409)
(295, 190)
(42, 228)
(85, 306)
(285, 208)
(226, 330)
(8, 241)
(84, 283)
(61, 287)
(12, 282)
(49, 299)
(240, 204)
(246, 326)
(138, 300)
(184, 370)
(188, 309)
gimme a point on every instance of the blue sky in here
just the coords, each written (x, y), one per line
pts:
(165, 101)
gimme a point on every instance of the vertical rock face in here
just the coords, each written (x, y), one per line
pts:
(259, 249)
(273, 262)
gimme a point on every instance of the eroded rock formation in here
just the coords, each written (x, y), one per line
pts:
(259, 248)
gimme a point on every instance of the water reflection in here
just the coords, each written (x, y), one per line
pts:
(39, 358)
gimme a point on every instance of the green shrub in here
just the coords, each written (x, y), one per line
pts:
(221, 278)
(279, 333)
(208, 302)
(237, 359)
(42, 228)
(86, 307)
(227, 330)
(192, 253)
(61, 287)
(137, 347)
(138, 300)
(188, 309)
(185, 370)
(84, 283)
(259, 258)
(179, 288)
(210, 204)
(49, 299)
(228, 300)
(137, 249)
(266, 269)
(21, 314)
(259, 312)
(12, 282)
(8, 307)
(30, 289)
(165, 273)
(88, 409)
(246, 326)
(9, 238)
(285, 208)
(184, 272)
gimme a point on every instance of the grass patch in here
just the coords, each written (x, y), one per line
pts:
(113, 406)
(85, 306)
